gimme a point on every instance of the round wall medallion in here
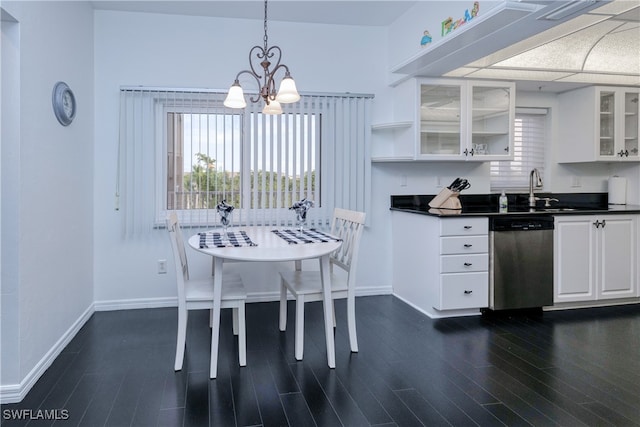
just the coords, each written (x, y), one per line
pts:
(64, 103)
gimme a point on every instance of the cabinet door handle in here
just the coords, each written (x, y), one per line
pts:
(466, 152)
(468, 264)
(467, 292)
(626, 153)
(604, 223)
(597, 224)
(621, 153)
(467, 245)
(468, 227)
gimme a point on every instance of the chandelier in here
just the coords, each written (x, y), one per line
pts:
(287, 91)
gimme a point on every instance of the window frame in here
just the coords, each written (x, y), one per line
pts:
(245, 214)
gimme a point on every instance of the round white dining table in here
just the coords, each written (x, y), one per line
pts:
(270, 248)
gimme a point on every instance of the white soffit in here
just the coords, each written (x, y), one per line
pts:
(485, 33)
(599, 47)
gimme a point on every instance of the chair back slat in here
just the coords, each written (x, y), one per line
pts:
(179, 254)
(348, 226)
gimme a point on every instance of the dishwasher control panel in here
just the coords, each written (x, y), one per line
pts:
(521, 223)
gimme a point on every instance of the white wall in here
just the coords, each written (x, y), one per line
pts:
(10, 212)
(53, 241)
(137, 49)
(406, 32)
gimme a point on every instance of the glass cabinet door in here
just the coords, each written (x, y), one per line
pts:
(631, 125)
(490, 121)
(440, 108)
(607, 124)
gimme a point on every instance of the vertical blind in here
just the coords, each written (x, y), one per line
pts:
(530, 133)
(182, 150)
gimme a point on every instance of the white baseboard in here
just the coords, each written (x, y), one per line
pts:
(269, 296)
(275, 295)
(134, 304)
(13, 393)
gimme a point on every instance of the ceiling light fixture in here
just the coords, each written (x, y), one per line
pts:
(287, 92)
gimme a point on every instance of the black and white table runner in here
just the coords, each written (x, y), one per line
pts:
(214, 239)
(308, 236)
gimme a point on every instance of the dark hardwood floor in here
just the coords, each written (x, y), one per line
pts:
(570, 368)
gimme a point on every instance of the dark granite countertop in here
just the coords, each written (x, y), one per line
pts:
(487, 205)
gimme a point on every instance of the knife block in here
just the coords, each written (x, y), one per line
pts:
(446, 199)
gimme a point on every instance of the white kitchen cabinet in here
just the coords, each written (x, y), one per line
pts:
(453, 120)
(595, 257)
(599, 124)
(464, 120)
(441, 265)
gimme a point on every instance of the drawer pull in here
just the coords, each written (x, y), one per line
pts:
(468, 264)
(468, 227)
(467, 292)
(467, 245)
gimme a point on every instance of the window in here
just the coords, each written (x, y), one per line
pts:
(530, 133)
(184, 151)
(205, 160)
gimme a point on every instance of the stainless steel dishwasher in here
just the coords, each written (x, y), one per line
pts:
(521, 262)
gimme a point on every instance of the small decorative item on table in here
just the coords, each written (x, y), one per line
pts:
(224, 210)
(301, 209)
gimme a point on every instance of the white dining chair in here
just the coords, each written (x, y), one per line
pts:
(197, 294)
(306, 286)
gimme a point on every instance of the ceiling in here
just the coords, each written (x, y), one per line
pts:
(340, 12)
(607, 28)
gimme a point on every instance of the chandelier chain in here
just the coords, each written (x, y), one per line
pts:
(265, 26)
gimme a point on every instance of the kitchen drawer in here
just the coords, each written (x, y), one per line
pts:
(464, 245)
(463, 226)
(464, 290)
(464, 263)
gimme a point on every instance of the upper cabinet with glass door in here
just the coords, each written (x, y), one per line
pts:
(599, 124)
(492, 118)
(440, 130)
(465, 120)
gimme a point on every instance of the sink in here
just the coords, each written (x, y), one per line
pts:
(556, 209)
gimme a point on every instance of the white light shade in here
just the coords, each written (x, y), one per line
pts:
(287, 92)
(272, 108)
(235, 97)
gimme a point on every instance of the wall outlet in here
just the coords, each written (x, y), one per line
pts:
(575, 181)
(162, 266)
(403, 180)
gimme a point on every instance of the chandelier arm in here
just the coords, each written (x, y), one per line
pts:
(257, 78)
(280, 66)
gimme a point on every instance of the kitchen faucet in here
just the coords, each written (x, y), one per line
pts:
(532, 198)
